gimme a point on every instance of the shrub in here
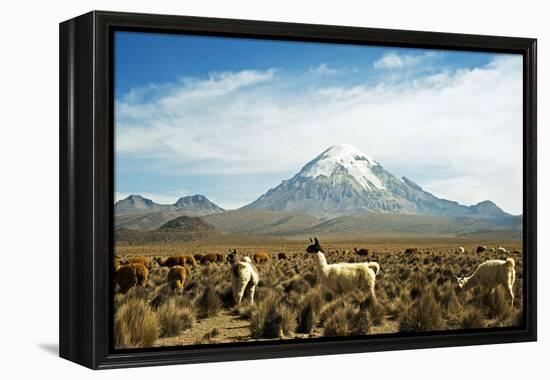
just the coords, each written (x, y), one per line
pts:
(306, 319)
(472, 318)
(209, 304)
(226, 297)
(376, 312)
(424, 314)
(338, 324)
(136, 325)
(174, 320)
(209, 336)
(496, 304)
(271, 318)
(348, 320)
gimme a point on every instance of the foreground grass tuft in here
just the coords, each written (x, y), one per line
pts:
(209, 304)
(272, 319)
(136, 325)
(424, 314)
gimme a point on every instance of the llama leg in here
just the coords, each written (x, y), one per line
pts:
(511, 292)
(372, 294)
(239, 294)
(252, 289)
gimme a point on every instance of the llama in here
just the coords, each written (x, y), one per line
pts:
(410, 251)
(261, 257)
(461, 250)
(180, 260)
(502, 250)
(481, 249)
(209, 258)
(117, 263)
(176, 277)
(282, 256)
(145, 261)
(232, 256)
(243, 276)
(490, 274)
(130, 275)
(361, 252)
(342, 277)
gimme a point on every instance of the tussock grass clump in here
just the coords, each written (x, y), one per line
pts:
(449, 301)
(209, 304)
(330, 309)
(139, 292)
(209, 336)
(424, 314)
(136, 325)
(173, 320)
(472, 318)
(226, 297)
(306, 319)
(349, 320)
(245, 311)
(376, 312)
(496, 304)
(311, 279)
(271, 318)
(296, 285)
(395, 308)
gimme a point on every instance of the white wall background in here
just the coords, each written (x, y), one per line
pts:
(29, 190)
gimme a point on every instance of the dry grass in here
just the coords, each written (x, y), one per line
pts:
(415, 292)
(136, 325)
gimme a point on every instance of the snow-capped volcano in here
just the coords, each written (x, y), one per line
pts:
(342, 181)
(344, 157)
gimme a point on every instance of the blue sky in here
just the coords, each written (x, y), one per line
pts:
(231, 118)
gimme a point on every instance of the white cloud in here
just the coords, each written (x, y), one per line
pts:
(394, 60)
(466, 122)
(323, 69)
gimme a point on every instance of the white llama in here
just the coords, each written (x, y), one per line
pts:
(490, 274)
(342, 277)
(243, 276)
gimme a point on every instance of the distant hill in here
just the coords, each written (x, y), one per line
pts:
(344, 181)
(261, 222)
(402, 224)
(138, 213)
(182, 229)
(291, 224)
(196, 205)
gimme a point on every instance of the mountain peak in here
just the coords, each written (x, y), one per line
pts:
(138, 200)
(190, 199)
(347, 159)
(342, 180)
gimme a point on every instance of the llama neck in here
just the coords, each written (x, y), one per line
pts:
(321, 261)
(470, 282)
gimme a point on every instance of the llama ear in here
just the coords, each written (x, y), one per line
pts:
(316, 241)
(311, 240)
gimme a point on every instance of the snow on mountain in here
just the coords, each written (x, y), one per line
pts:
(349, 158)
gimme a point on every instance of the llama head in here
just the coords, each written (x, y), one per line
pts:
(461, 281)
(231, 257)
(314, 247)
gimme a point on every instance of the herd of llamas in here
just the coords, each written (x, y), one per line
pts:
(296, 291)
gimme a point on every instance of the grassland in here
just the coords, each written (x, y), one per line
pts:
(416, 292)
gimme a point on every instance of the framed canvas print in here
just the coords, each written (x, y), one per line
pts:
(237, 189)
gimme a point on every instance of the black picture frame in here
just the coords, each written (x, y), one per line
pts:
(86, 187)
